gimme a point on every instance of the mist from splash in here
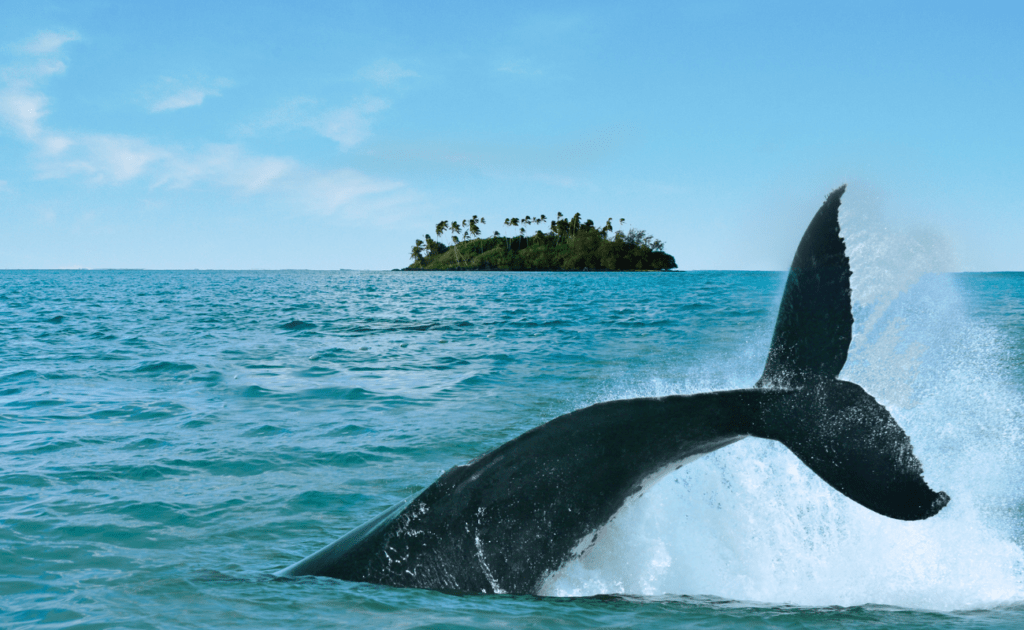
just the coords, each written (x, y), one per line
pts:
(751, 522)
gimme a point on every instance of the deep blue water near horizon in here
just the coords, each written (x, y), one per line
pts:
(169, 439)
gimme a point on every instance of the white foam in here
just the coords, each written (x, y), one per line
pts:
(751, 522)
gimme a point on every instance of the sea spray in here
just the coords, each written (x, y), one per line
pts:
(752, 523)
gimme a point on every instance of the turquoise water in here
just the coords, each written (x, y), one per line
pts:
(168, 440)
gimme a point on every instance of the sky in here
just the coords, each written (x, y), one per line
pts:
(331, 135)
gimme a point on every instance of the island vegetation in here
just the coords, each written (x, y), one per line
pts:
(568, 244)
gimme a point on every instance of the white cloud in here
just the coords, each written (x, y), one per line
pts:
(103, 158)
(327, 192)
(48, 42)
(114, 159)
(226, 165)
(119, 158)
(323, 192)
(54, 144)
(173, 94)
(22, 104)
(106, 158)
(22, 110)
(385, 72)
(348, 126)
(186, 98)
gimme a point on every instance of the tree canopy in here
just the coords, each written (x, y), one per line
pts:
(567, 244)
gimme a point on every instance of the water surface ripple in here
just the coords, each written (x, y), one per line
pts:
(169, 439)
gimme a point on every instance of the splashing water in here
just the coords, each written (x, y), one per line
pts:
(751, 522)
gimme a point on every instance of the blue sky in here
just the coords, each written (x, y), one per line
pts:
(327, 135)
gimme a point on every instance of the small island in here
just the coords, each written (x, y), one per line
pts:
(569, 244)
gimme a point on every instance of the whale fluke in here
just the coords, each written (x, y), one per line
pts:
(835, 427)
(506, 520)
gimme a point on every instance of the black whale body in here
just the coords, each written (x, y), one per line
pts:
(505, 521)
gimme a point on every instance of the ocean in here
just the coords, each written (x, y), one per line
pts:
(169, 439)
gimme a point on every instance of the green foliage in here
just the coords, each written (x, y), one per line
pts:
(571, 244)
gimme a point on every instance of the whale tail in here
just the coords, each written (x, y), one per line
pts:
(835, 427)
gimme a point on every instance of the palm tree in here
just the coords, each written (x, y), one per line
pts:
(574, 225)
(455, 243)
(417, 251)
(471, 229)
(514, 222)
(559, 226)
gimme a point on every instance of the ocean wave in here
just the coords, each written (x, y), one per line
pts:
(163, 367)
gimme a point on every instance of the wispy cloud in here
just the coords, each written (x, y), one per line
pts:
(121, 158)
(107, 159)
(173, 94)
(326, 192)
(348, 126)
(103, 158)
(313, 190)
(22, 103)
(47, 42)
(386, 72)
(225, 164)
(189, 97)
(22, 110)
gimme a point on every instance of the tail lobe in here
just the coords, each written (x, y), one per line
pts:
(815, 323)
(835, 427)
(848, 439)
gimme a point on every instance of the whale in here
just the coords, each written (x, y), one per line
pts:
(506, 521)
